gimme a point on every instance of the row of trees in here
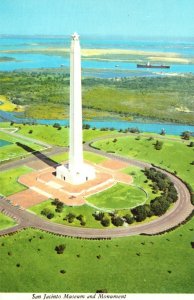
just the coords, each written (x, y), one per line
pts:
(59, 206)
(160, 204)
(70, 217)
(107, 218)
(157, 207)
(47, 212)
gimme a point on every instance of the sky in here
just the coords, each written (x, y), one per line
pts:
(128, 18)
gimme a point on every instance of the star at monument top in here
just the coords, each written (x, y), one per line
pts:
(75, 36)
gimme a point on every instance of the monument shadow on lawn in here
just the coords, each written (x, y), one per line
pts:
(39, 155)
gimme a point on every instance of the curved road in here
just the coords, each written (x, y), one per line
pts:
(180, 211)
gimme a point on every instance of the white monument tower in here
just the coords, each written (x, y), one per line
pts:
(76, 172)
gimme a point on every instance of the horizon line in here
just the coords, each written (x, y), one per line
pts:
(103, 36)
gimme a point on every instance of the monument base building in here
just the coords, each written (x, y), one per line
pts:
(79, 176)
(76, 171)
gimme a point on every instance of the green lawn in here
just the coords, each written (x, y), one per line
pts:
(60, 157)
(53, 136)
(13, 151)
(174, 156)
(139, 179)
(8, 179)
(95, 158)
(85, 210)
(92, 157)
(119, 196)
(137, 264)
(6, 222)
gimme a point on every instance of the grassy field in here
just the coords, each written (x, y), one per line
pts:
(85, 210)
(6, 222)
(173, 156)
(9, 184)
(138, 264)
(161, 98)
(88, 156)
(139, 179)
(95, 158)
(13, 150)
(53, 136)
(120, 196)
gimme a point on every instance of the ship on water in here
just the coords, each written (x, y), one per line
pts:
(148, 65)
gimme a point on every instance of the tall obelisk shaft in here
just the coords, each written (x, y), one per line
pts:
(76, 146)
(76, 171)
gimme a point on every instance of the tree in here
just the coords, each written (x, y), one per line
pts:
(129, 219)
(56, 125)
(83, 223)
(139, 213)
(60, 249)
(105, 222)
(159, 206)
(30, 131)
(86, 126)
(186, 135)
(59, 205)
(46, 211)
(99, 216)
(133, 130)
(158, 145)
(149, 212)
(191, 144)
(172, 194)
(162, 132)
(50, 216)
(117, 221)
(55, 201)
(70, 217)
(102, 291)
(79, 217)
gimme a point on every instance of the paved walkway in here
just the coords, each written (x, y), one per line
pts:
(42, 184)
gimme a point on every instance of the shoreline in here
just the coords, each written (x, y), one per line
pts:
(143, 121)
(105, 54)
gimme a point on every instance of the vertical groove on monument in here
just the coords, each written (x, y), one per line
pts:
(76, 172)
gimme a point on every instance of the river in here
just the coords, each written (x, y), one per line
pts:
(173, 129)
